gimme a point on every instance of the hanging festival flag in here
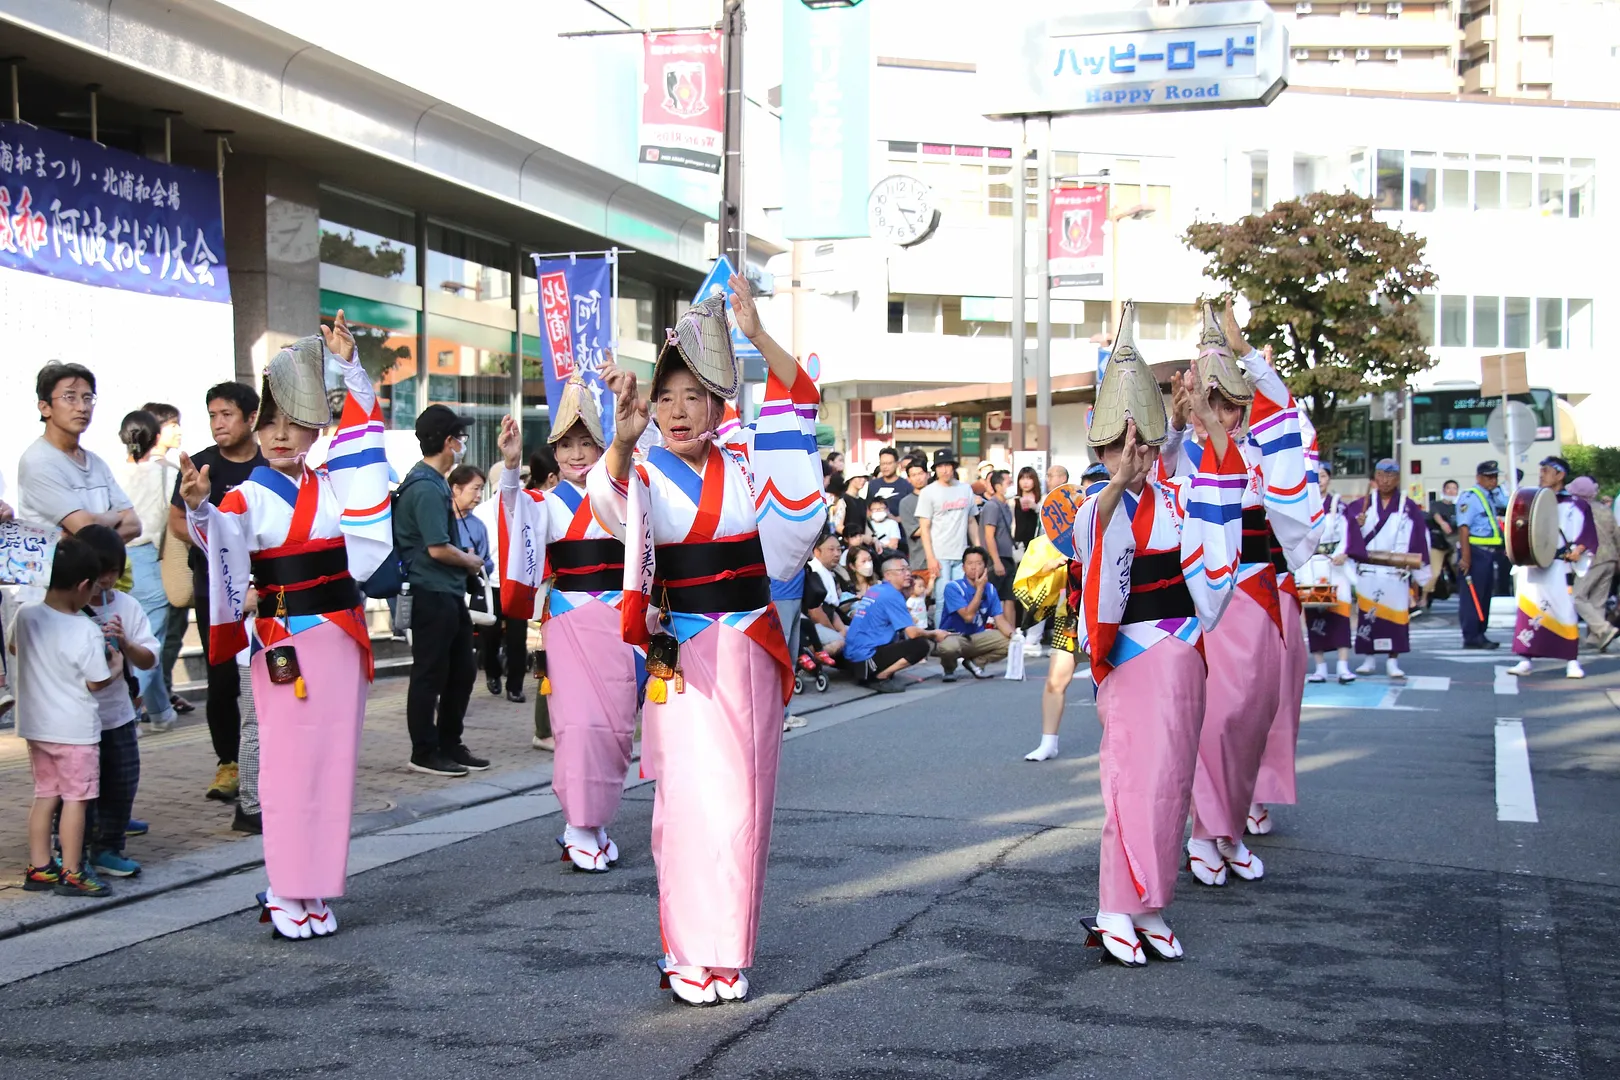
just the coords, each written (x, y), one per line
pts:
(576, 326)
(1074, 235)
(683, 115)
(76, 210)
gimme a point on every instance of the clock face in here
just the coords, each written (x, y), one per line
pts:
(901, 210)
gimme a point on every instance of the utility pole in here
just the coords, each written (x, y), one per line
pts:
(1020, 200)
(733, 240)
(1043, 286)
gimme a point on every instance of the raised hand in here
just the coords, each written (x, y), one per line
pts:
(194, 485)
(1182, 388)
(339, 339)
(629, 411)
(742, 305)
(510, 442)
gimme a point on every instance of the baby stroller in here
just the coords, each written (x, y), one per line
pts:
(813, 663)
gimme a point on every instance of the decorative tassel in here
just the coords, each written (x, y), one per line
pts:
(656, 692)
(680, 682)
(545, 686)
(300, 691)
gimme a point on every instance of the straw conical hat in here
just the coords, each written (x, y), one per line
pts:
(1217, 365)
(1128, 391)
(703, 338)
(295, 379)
(578, 406)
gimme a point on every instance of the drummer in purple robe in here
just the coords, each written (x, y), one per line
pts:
(1547, 623)
(1388, 540)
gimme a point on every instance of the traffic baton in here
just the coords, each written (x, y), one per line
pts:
(1475, 594)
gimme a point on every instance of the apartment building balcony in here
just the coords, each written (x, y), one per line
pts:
(1481, 78)
(1372, 34)
(1482, 31)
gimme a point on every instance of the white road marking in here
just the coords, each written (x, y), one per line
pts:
(1505, 683)
(1515, 793)
(1437, 683)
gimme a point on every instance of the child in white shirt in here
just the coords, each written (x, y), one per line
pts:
(61, 659)
(917, 603)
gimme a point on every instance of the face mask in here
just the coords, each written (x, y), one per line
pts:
(460, 451)
(1448, 498)
(879, 515)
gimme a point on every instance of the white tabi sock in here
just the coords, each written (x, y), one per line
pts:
(1044, 752)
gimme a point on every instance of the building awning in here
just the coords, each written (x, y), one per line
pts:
(976, 397)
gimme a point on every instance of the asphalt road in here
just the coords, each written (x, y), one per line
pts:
(922, 920)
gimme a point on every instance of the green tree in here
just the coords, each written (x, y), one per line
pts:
(1331, 289)
(341, 249)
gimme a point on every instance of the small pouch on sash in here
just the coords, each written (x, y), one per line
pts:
(663, 666)
(282, 664)
(537, 668)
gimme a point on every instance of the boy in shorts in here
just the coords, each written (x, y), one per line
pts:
(62, 659)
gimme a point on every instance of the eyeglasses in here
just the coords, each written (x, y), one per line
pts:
(73, 401)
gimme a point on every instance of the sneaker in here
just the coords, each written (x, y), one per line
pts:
(226, 784)
(435, 764)
(791, 722)
(245, 822)
(42, 878)
(83, 882)
(137, 827)
(889, 686)
(466, 759)
(1523, 667)
(975, 669)
(114, 864)
(160, 724)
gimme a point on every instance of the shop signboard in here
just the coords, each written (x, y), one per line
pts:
(683, 115)
(923, 427)
(1154, 59)
(826, 104)
(1074, 235)
(968, 438)
(75, 210)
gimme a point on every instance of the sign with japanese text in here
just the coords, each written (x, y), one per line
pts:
(576, 327)
(826, 105)
(79, 211)
(26, 552)
(683, 115)
(1218, 55)
(1074, 235)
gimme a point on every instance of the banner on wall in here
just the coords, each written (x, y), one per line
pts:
(683, 114)
(79, 211)
(1074, 235)
(576, 326)
(826, 105)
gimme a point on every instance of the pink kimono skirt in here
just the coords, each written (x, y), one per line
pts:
(1151, 708)
(1244, 653)
(716, 749)
(593, 711)
(1275, 782)
(307, 754)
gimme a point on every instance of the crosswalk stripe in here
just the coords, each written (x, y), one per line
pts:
(1515, 791)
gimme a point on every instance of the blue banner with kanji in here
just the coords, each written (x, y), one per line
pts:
(76, 210)
(576, 326)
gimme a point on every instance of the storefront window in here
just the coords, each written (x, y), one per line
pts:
(385, 338)
(469, 266)
(366, 236)
(470, 370)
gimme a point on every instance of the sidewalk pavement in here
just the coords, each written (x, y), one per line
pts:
(191, 838)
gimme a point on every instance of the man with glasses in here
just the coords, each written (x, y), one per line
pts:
(58, 481)
(882, 638)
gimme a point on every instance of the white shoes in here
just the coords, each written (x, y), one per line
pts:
(1205, 862)
(729, 984)
(1319, 675)
(1157, 935)
(1523, 667)
(1044, 752)
(1393, 670)
(1366, 667)
(1118, 936)
(1259, 823)
(1573, 670)
(543, 744)
(1243, 862)
(691, 984)
(322, 919)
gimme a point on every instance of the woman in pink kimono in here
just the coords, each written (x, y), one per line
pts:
(1159, 556)
(302, 539)
(1246, 654)
(591, 672)
(708, 519)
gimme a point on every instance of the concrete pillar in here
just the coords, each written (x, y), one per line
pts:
(272, 242)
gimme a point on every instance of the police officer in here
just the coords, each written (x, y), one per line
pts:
(1479, 550)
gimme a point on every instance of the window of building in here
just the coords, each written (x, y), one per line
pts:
(1582, 186)
(370, 237)
(1000, 191)
(950, 317)
(1391, 180)
(1518, 184)
(1454, 185)
(1487, 322)
(1578, 328)
(467, 265)
(897, 315)
(1425, 308)
(1356, 182)
(1550, 193)
(1550, 323)
(1516, 322)
(1421, 178)
(1453, 321)
(922, 314)
(1259, 174)
(1487, 182)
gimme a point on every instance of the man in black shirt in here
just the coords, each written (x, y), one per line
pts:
(232, 408)
(887, 483)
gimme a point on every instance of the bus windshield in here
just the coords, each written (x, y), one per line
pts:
(1458, 416)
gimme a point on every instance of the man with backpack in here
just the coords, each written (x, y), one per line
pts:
(443, 665)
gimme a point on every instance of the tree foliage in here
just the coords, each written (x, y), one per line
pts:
(1601, 463)
(1331, 289)
(384, 260)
